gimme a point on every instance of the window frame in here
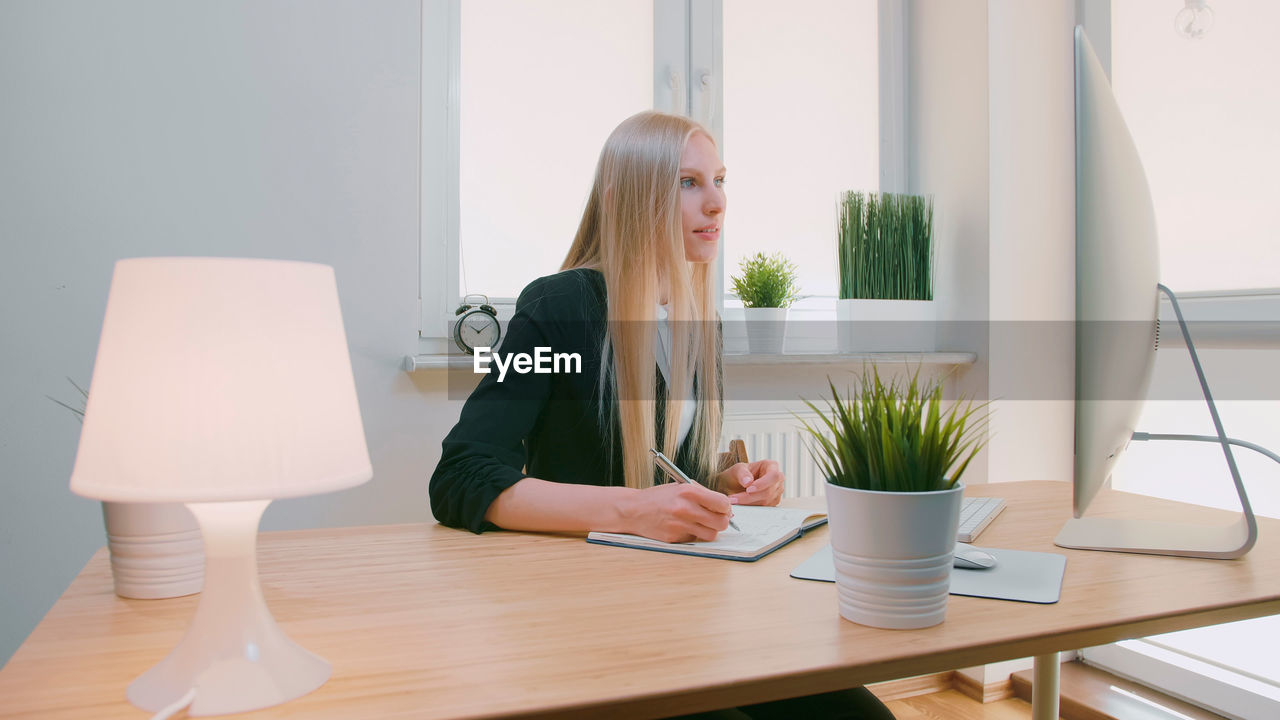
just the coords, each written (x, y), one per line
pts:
(1210, 686)
(688, 46)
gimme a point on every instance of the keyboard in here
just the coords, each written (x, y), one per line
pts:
(976, 513)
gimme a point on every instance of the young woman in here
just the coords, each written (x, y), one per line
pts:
(569, 451)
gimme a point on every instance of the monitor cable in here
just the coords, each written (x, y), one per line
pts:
(1145, 436)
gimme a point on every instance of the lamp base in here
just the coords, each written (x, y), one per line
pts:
(234, 655)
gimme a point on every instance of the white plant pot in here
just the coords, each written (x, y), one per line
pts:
(156, 549)
(766, 329)
(886, 325)
(893, 554)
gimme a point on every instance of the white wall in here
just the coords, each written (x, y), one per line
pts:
(947, 157)
(281, 129)
(990, 108)
(1032, 243)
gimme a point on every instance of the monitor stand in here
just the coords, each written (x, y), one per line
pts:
(1222, 542)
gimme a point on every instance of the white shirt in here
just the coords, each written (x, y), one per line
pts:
(664, 364)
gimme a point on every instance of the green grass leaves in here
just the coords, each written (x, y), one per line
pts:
(894, 437)
(885, 246)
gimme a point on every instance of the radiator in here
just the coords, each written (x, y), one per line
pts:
(777, 436)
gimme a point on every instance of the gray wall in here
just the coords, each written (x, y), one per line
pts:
(258, 129)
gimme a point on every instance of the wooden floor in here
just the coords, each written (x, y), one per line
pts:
(953, 705)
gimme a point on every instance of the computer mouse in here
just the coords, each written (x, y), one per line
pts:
(971, 558)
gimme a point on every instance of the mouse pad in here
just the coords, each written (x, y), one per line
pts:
(1034, 577)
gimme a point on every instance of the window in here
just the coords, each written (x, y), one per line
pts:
(801, 125)
(1205, 130)
(1204, 127)
(542, 85)
(518, 98)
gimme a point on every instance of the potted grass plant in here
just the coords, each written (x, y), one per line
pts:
(893, 457)
(885, 261)
(767, 287)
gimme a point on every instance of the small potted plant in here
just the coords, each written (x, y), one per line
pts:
(767, 287)
(885, 255)
(893, 458)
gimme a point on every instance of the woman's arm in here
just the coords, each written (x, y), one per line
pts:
(484, 454)
(674, 512)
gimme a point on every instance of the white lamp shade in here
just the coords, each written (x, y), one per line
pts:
(220, 379)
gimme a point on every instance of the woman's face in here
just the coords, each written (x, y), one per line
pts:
(701, 198)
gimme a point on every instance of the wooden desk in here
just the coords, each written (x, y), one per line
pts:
(427, 622)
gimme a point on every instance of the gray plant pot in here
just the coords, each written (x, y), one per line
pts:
(156, 549)
(766, 330)
(893, 554)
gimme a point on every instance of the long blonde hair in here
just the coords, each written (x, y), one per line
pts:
(631, 231)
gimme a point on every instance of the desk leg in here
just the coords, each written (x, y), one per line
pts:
(1044, 687)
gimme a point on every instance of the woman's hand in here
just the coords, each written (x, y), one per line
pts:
(755, 483)
(677, 512)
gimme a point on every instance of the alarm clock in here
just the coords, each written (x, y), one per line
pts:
(477, 325)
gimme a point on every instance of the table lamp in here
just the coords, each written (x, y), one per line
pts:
(223, 383)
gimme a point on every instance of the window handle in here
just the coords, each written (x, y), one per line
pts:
(706, 89)
(676, 82)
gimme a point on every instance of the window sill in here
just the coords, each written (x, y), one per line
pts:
(1087, 691)
(415, 363)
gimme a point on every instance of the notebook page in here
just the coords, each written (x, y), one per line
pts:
(760, 527)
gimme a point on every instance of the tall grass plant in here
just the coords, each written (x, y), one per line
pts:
(885, 246)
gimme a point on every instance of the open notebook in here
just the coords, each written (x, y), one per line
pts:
(763, 530)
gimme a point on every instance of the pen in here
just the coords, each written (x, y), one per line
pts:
(678, 475)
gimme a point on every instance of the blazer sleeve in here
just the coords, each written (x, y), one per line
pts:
(484, 453)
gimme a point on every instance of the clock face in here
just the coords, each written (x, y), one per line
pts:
(476, 329)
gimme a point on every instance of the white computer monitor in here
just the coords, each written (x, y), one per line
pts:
(1117, 312)
(1117, 279)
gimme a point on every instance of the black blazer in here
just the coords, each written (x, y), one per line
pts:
(546, 426)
